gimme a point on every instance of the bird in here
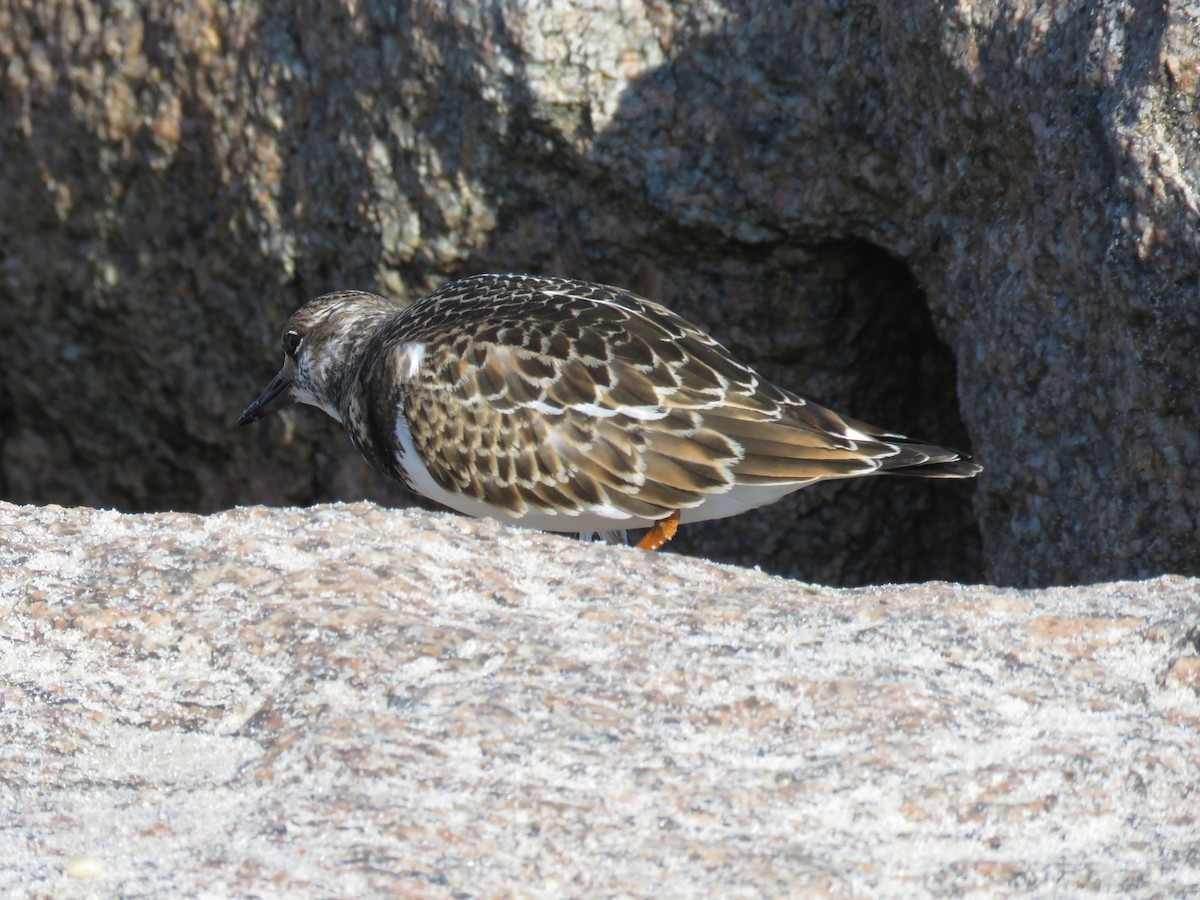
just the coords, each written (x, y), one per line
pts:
(569, 406)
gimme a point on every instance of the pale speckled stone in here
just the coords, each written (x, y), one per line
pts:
(346, 699)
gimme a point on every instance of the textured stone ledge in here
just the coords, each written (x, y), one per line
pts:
(348, 699)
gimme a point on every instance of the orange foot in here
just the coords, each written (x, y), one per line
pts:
(663, 531)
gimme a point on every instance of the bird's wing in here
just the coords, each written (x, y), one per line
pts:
(553, 395)
(559, 405)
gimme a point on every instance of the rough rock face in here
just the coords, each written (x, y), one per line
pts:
(349, 700)
(976, 222)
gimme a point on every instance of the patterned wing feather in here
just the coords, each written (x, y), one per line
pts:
(537, 393)
(552, 374)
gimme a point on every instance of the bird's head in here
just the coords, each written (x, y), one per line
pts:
(323, 343)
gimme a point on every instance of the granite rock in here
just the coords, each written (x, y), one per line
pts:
(974, 221)
(350, 700)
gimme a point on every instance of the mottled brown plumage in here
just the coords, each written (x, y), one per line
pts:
(568, 406)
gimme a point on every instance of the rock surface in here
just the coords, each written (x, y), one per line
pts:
(902, 209)
(350, 700)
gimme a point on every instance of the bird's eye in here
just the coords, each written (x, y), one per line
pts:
(291, 343)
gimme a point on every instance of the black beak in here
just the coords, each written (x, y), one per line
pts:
(276, 396)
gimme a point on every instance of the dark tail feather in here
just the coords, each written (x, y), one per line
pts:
(929, 461)
(963, 468)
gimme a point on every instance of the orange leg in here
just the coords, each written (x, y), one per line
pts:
(663, 531)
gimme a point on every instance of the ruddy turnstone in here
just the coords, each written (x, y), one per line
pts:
(569, 406)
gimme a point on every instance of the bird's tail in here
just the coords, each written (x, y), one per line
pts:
(931, 462)
(919, 459)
